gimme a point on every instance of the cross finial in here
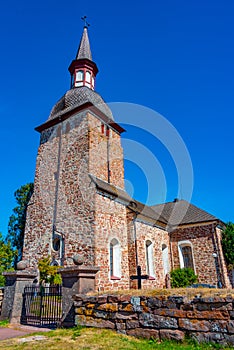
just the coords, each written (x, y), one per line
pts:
(86, 24)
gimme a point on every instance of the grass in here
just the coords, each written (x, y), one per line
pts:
(98, 339)
(50, 306)
(188, 292)
(4, 323)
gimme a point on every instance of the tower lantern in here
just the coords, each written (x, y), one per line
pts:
(83, 70)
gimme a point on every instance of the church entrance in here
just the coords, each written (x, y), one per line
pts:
(42, 306)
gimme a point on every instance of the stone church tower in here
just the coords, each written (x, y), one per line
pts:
(79, 142)
(80, 212)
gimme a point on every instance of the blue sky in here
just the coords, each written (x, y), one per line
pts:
(175, 57)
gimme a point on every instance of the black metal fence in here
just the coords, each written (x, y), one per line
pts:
(42, 306)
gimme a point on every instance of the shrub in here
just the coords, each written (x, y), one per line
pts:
(182, 277)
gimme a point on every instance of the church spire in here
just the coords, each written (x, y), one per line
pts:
(83, 70)
(84, 50)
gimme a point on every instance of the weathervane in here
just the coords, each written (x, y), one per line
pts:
(86, 24)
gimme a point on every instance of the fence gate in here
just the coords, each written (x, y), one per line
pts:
(42, 306)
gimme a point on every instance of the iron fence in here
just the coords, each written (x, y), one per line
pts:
(42, 306)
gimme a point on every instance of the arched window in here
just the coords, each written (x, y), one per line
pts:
(79, 78)
(166, 266)
(149, 258)
(56, 244)
(186, 254)
(115, 271)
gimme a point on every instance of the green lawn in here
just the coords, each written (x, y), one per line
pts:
(97, 339)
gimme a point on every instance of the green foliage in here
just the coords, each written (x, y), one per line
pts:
(228, 244)
(4, 323)
(17, 220)
(48, 272)
(76, 332)
(6, 258)
(182, 277)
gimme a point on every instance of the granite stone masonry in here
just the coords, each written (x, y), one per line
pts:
(1, 298)
(205, 319)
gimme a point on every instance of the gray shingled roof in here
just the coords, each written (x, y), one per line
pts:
(143, 211)
(84, 50)
(170, 215)
(181, 212)
(77, 97)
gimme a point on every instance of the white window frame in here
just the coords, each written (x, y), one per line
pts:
(115, 259)
(165, 258)
(182, 244)
(149, 251)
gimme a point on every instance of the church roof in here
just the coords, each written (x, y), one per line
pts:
(77, 97)
(84, 50)
(169, 215)
(143, 211)
(181, 212)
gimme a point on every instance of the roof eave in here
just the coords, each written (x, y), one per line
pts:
(88, 105)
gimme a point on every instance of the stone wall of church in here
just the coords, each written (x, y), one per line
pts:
(141, 232)
(158, 237)
(105, 148)
(204, 244)
(110, 219)
(63, 196)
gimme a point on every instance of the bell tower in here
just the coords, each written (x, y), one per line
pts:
(79, 145)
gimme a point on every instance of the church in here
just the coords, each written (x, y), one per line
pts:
(80, 212)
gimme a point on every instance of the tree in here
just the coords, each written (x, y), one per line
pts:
(17, 220)
(49, 273)
(6, 258)
(228, 244)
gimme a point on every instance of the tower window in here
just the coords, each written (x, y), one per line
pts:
(79, 78)
(56, 244)
(88, 76)
(115, 272)
(149, 258)
(88, 79)
(105, 130)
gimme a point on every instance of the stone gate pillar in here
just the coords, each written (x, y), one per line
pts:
(13, 294)
(76, 280)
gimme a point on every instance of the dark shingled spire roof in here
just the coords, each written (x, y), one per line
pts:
(84, 50)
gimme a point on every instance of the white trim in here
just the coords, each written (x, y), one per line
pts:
(165, 258)
(116, 258)
(149, 254)
(184, 244)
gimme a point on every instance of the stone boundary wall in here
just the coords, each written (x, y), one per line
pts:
(1, 298)
(209, 319)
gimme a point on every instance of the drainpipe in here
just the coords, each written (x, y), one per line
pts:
(108, 154)
(54, 230)
(216, 256)
(172, 262)
(219, 258)
(62, 248)
(135, 237)
(171, 257)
